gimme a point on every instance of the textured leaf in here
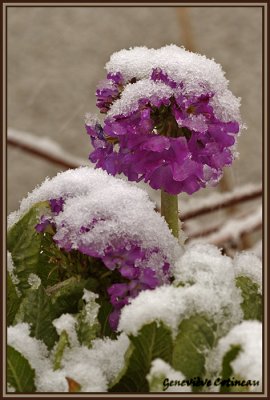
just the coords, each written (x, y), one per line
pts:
(60, 348)
(252, 299)
(103, 316)
(13, 301)
(195, 336)
(37, 310)
(66, 295)
(227, 370)
(152, 342)
(34, 252)
(24, 243)
(20, 375)
(86, 331)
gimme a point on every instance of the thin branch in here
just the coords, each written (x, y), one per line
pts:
(233, 229)
(222, 200)
(44, 148)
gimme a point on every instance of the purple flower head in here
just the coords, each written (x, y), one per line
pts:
(174, 127)
(106, 219)
(108, 91)
(159, 75)
(132, 263)
(117, 78)
(44, 222)
(56, 205)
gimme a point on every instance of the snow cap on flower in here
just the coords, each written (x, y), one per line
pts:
(111, 220)
(117, 224)
(172, 123)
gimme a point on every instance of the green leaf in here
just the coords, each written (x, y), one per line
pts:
(37, 310)
(252, 299)
(88, 328)
(195, 336)
(103, 316)
(34, 252)
(13, 301)
(227, 370)
(24, 243)
(66, 295)
(27, 246)
(152, 342)
(20, 375)
(59, 351)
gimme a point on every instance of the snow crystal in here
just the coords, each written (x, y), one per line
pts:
(198, 74)
(92, 368)
(66, 184)
(89, 296)
(173, 304)
(49, 380)
(67, 323)
(161, 370)
(77, 364)
(35, 351)
(10, 388)
(133, 92)
(204, 264)
(89, 194)
(96, 367)
(91, 306)
(34, 281)
(248, 363)
(209, 289)
(109, 355)
(248, 264)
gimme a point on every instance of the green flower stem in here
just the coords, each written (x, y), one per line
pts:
(169, 209)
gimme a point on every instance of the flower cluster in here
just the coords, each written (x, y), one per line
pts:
(110, 226)
(128, 258)
(56, 206)
(159, 127)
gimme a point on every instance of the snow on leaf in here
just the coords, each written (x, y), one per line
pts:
(153, 341)
(195, 337)
(24, 243)
(88, 327)
(245, 363)
(36, 309)
(252, 298)
(160, 370)
(59, 350)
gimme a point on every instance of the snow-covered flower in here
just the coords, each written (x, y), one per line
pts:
(110, 220)
(170, 119)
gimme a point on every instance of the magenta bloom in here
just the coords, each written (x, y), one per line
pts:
(159, 130)
(135, 264)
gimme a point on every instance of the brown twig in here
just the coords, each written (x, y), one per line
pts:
(233, 200)
(41, 154)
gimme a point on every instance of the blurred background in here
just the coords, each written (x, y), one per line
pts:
(56, 57)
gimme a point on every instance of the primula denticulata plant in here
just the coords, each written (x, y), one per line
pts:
(102, 293)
